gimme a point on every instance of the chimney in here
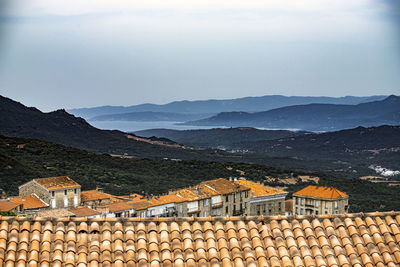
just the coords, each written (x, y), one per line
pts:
(101, 190)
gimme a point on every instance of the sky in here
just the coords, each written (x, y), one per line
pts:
(84, 53)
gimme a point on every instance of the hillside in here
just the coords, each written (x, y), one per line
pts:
(24, 159)
(17, 120)
(374, 145)
(247, 104)
(219, 137)
(313, 117)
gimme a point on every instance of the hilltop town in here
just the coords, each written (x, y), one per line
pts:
(63, 197)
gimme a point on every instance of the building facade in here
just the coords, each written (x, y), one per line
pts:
(264, 200)
(57, 192)
(320, 200)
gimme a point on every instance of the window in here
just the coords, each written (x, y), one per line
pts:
(75, 191)
(316, 212)
(296, 200)
(75, 201)
(326, 204)
(53, 203)
(205, 202)
(297, 210)
(226, 210)
(205, 214)
(264, 206)
(302, 201)
(246, 194)
(317, 203)
(336, 204)
(65, 202)
(180, 208)
(65, 192)
(302, 211)
(53, 193)
(226, 198)
(279, 206)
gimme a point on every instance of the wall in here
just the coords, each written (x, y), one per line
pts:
(34, 188)
(59, 198)
(324, 206)
(267, 205)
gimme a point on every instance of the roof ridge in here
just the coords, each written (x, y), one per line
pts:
(204, 219)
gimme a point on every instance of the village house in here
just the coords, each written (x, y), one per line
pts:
(233, 198)
(58, 192)
(264, 200)
(317, 200)
(31, 205)
(94, 198)
(219, 197)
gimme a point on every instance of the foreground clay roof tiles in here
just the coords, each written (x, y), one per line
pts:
(370, 239)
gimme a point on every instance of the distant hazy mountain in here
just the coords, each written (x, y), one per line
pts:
(17, 120)
(247, 104)
(313, 117)
(217, 137)
(151, 116)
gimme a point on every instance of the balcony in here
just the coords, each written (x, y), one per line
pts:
(309, 205)
(216, 205)
(193, 210)
(238, 212)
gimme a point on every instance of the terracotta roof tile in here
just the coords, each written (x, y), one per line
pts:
(257, 190)
(229, 241)
(321, 192)
(56, 183)
(7, 205)
(30, 202)
(91, 195)
(84, 211)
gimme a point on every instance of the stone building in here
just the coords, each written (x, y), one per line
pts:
(219, 197)
(317, 200)
(58, 192)
(264, 200)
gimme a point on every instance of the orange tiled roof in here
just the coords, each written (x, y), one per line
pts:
(6, 205)
(90, 195)
(258, 190)
(321, 192)
(224, 186)
(55, 183)
(371, 239)
(29, 202)
(84, 211)
(197, 192)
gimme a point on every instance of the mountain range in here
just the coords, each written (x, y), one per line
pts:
(246, 104)
(313, 117)
(17, 120)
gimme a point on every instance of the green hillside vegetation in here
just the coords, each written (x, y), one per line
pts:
(218, 137)
(24, 159)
